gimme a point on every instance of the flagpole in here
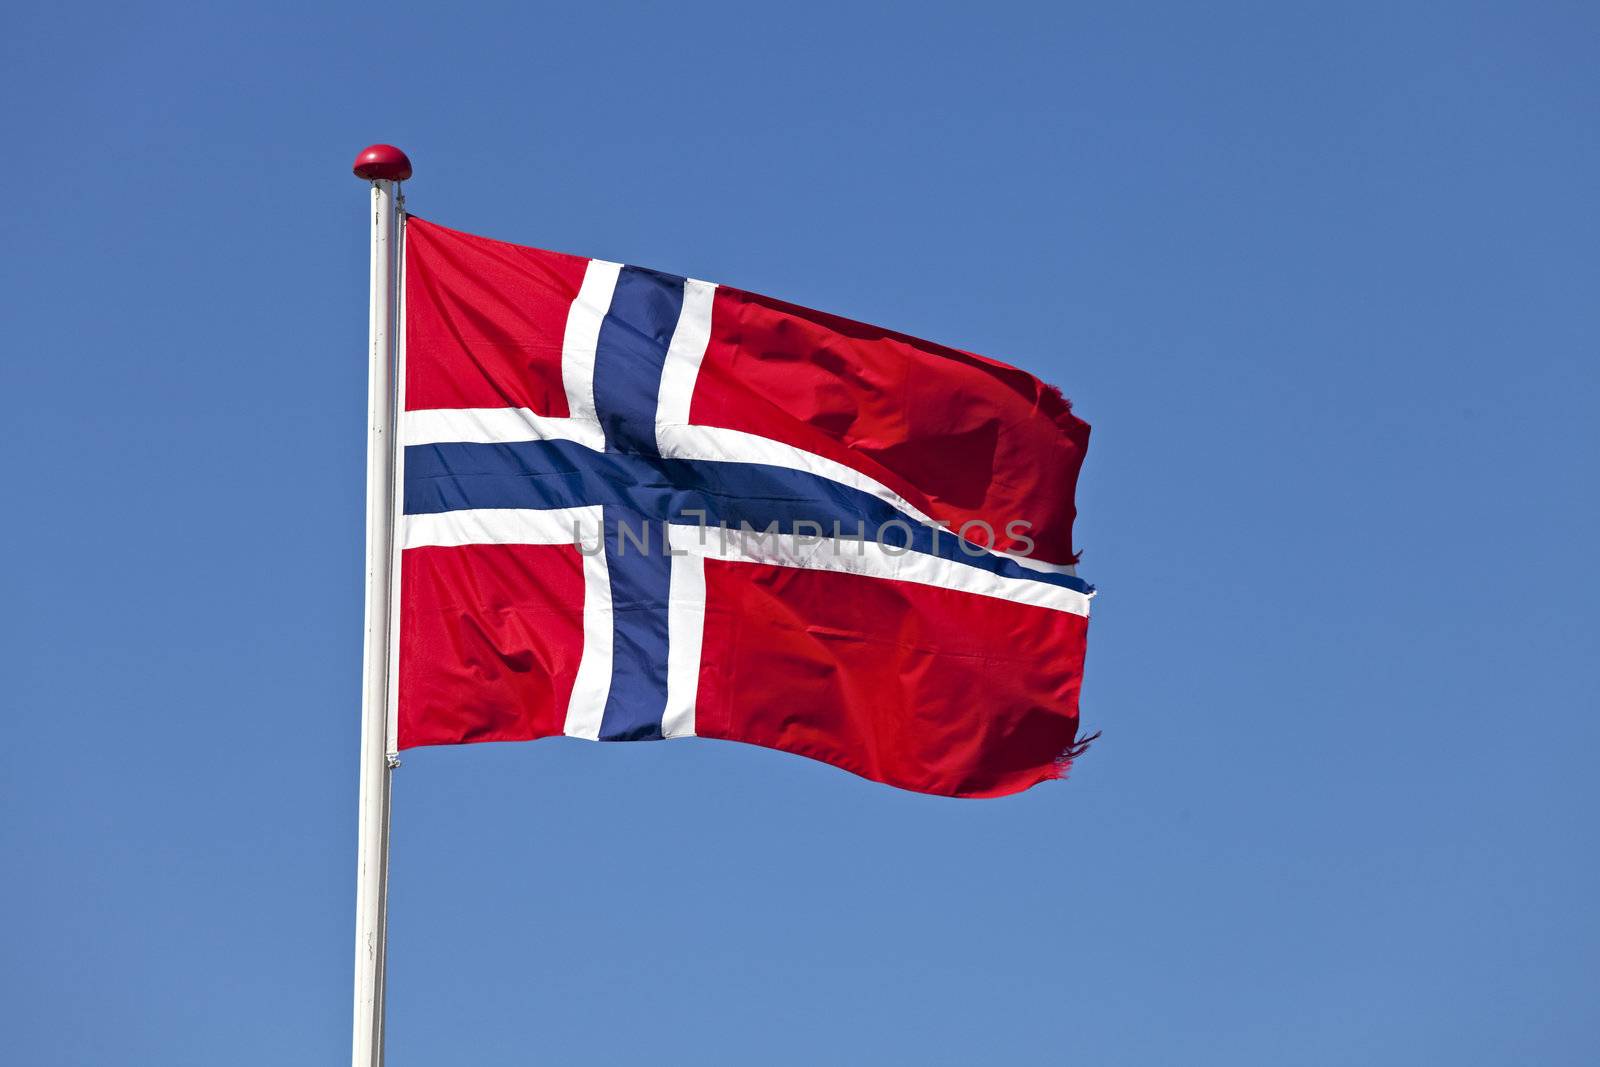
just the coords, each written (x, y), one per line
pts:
(385, 167)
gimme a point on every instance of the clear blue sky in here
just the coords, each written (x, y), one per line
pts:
(1324, 279)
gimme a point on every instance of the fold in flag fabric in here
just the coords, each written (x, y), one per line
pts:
(640, 506)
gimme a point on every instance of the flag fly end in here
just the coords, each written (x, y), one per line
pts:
(1070, 756)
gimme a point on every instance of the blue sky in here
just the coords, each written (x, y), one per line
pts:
(1323, 278)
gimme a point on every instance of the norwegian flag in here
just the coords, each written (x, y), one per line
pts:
(639, 506)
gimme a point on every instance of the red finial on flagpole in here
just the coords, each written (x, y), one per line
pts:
(382, 162)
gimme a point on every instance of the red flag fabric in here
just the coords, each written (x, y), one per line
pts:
(640, 506)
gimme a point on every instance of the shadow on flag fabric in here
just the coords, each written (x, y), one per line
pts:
(639, 506)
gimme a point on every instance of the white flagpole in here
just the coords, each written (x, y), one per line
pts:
(385, 167)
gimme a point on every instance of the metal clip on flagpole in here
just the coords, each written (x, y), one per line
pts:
(385, 167)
